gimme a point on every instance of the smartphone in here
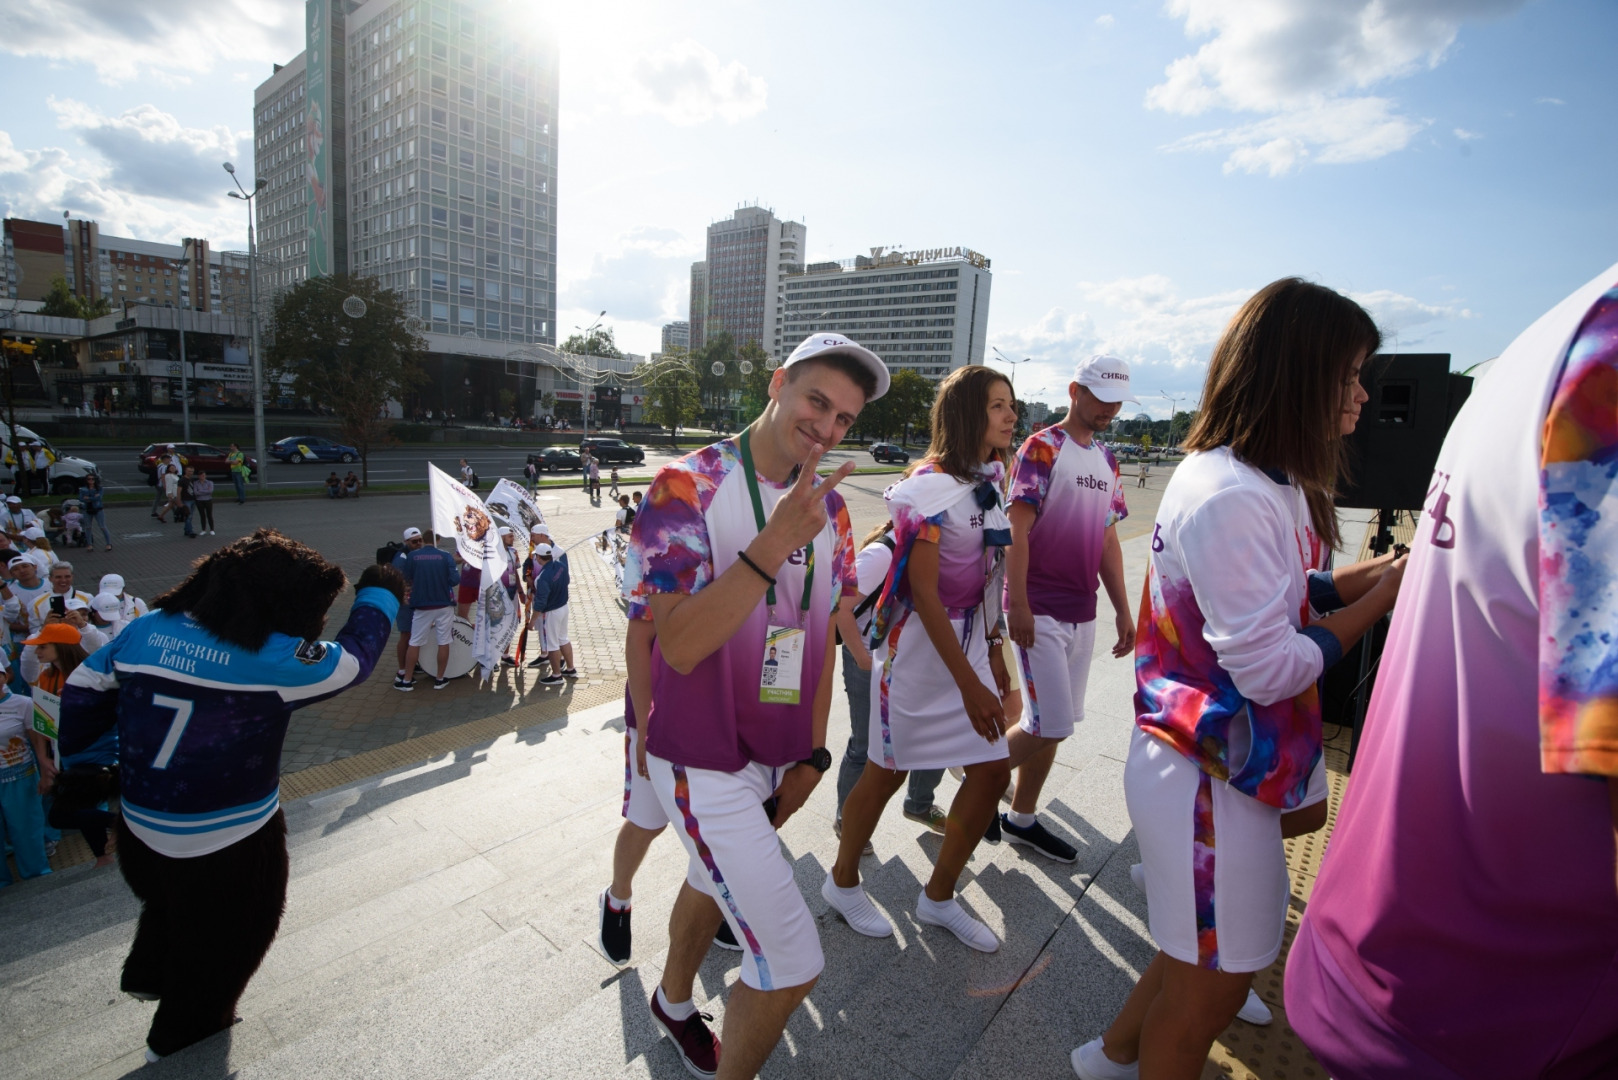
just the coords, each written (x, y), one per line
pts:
(58, 605)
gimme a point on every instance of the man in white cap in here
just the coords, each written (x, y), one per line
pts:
(551, 578)
(106, 614)
(22, 585)
(133, 607)
(77, 615)
(1066, 502)
(402, 622)
(52, 598)
(17, 518)
(738, 545)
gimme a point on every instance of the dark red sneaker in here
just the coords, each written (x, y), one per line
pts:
(698, 1047)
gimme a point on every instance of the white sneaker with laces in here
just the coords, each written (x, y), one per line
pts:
(855, 907)
(953, 917)
(1091, 1063)
(1254, 1011)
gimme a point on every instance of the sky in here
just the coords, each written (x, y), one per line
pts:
(1134, 170)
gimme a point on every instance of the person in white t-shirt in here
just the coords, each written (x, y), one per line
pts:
(17, 519)
(1227, 757)
(106, 614)
(133, 606)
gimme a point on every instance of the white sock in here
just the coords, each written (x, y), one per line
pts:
(1022, 821)
(953, 917)
(675, 1012)
(615, 903)
(856, 907)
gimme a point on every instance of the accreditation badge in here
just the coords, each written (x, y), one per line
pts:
(781, 672)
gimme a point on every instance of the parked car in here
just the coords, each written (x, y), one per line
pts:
(613, 451)
(557, 459)
(890, 454)
(206, 457)
(298, 448)
(67, 473)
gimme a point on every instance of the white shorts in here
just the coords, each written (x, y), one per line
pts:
(640, 800)
(917, 719)
(736, 858)
(553, 630)
(1056, 671)
(1219, 904)
(441, 620)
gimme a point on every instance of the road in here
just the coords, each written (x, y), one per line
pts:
(399, 464)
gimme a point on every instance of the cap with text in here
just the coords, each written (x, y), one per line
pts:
(1107, 377)
(113, 583)
(822, 345)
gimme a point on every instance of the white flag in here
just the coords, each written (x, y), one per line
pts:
(459, 513)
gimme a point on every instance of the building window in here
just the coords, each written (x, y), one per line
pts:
(516, 234)
(440, 281)
(517, 175)
(438, 183)
(491, 320)
(491, 259)
(440, 151)
(519, 145)
(440, 117)
(467, 159)
(440, 216)
(516, 294)
(468, 127)
(468, 286)
(466, 222)
(492, 166)
(468, 316)
(491, 229)
(439, 84)
(438, 248)
(468, 95)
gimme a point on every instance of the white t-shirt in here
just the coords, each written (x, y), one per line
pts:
(871, 568)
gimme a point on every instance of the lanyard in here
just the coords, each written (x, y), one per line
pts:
(758, 516)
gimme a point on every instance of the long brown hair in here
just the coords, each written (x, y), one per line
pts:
(1275, 384)
(960, 420)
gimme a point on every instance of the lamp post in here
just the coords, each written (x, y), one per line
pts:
(1174, 408)
(584, 388)
(180, 319)
(1004, 359)
(252, 313)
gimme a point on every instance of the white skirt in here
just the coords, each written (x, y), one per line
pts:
(917, 718)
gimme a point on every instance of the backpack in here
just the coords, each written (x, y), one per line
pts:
(385, 553)
(474, 484)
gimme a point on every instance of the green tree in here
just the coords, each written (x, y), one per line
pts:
(599, 342)
(353, 366)
(912, 396)
(1057, 415)
(674, 393)
(61, 302)
(716, 389)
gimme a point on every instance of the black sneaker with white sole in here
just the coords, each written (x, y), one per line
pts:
(614, 937)
(726, 939)
(1040, 839)
(571, 673)
(992, 833)
(402, 683)
(439, 684)
(552, 680)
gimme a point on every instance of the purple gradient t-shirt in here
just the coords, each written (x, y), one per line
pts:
(1075, 493)
(695, 518)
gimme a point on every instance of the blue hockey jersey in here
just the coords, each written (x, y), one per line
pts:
(201, 721)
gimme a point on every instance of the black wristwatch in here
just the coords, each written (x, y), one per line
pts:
(819, 758)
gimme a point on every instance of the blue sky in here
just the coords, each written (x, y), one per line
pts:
(1134, 170)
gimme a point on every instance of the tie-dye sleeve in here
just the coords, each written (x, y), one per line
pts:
(1031, 474)
(1119, 509)
(847, 582)
(1578, 556)
(669, 550)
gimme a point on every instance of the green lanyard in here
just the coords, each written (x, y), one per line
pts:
(758, 516)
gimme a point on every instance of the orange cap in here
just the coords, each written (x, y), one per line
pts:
(56, 634)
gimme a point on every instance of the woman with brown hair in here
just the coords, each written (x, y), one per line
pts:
(936, 688)
(1234, 635)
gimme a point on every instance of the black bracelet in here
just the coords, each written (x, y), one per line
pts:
(755, 567)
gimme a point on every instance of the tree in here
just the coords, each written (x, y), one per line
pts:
(674, 393)
(1056, 416)
(599, 342)
(61, 303)
(912, 396)
(353, 366)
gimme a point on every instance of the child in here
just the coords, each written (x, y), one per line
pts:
(613, 490)
(73, 526)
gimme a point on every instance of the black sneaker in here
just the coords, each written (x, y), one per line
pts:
(508, 661)
(725, 939)
(541, 662)
(402, 683)
(570, 673)
(552, 680)
(1040, 839)
(439, 684)
(697, 1045)
(992, 833)
(614, 937)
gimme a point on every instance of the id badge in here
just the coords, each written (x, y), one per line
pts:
(781, 671)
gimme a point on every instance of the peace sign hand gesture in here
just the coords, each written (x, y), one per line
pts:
(800, 514)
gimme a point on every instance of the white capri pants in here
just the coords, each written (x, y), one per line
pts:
(640, 799)
(553, 630)
(440, 620)
(1056, 671)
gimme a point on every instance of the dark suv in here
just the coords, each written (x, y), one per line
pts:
(613, 451)
(889, 454)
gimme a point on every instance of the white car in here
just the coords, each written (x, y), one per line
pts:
(67, 473)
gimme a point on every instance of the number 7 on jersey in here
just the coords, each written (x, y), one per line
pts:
(182, 717)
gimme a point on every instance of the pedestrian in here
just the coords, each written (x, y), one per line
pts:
(93, 499)
(351, 486)
(595, 479)
(467, 475)
(169, 493)
(430, 574)
(624, 520)
(18, 519)
(871, 565)
(720, 561)
(1145, 470)
(412, 540)
(202, 839)
(22, 813)
(202, 499)
(613, 489)
(551, 576)
(1468, 887)
(939, 700)
(187, 506)
(41, 476)
(236, 462)
(1226, 759)
(530, 472)
(1066, 502)
(585, 458)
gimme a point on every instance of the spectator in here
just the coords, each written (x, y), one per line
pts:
(586, 459)
(467, 475)
(351, 486)
(17, 518)
(530, 473)
(626, 516)
(202, 498)
(236, 461)
(551, 578)
(334, 486)
(133, 606)
(55, 525)
(169, 493)
(92, 498)
(636, 497)
(595, 479)
(613, 481)
(40, 550)
(41, 474)
(76, 613)
(22, 814)
(188, 502)
(106, 614)
(73, 524)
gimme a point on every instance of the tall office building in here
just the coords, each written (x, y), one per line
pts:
(699, 305)
(414, 141)
(750, 255)
(927, 311)
(676, 335)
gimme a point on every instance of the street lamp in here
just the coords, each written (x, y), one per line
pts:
(1004, 359)
(252, 313)
(584, 389)
(1174, 409)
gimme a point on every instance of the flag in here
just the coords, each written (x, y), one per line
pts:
(515, 509)
(457, 512)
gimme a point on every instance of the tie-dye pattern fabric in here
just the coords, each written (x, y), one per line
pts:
(1220, 514)
(682, 800)
(669, 548)
(1578, 556)
(1074, 491)
(1203, 845)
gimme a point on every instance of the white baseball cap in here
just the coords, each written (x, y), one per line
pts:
(75, 604)
(838, 345)
(542, 550)
(33, 532)
(20, 560)
(503, 531)
(112, 583)
(412, 533)
(106, 604)
(1107, 377)
(13, 500)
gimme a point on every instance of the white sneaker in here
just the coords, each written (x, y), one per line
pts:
(856, 908)
(1137, 874)
(1090, 1063)
(1254, 1011)
(959, 774)
(953, 917)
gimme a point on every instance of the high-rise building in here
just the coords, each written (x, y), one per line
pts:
(676, 335)
(699, 305)
(926, 311)
(416, 143)
(750, 255)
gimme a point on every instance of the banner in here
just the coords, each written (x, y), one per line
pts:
(516, 509)
(613, 548)
(47, 711)
(459, 513)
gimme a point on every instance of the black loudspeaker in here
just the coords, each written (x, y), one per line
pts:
(1414, 398)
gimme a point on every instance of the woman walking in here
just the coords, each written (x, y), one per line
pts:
(1227, 758)
(202, 494)
(937, 670)
(170, 484)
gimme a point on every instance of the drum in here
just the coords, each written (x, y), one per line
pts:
(460, 652)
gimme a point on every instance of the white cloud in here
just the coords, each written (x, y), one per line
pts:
(150, 153)
(686, 84)
(1105, 21)
(1305, 63)
(1549, 101)
(172, 40)
(1406, 321)
(641, 276)
(1467, 136)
